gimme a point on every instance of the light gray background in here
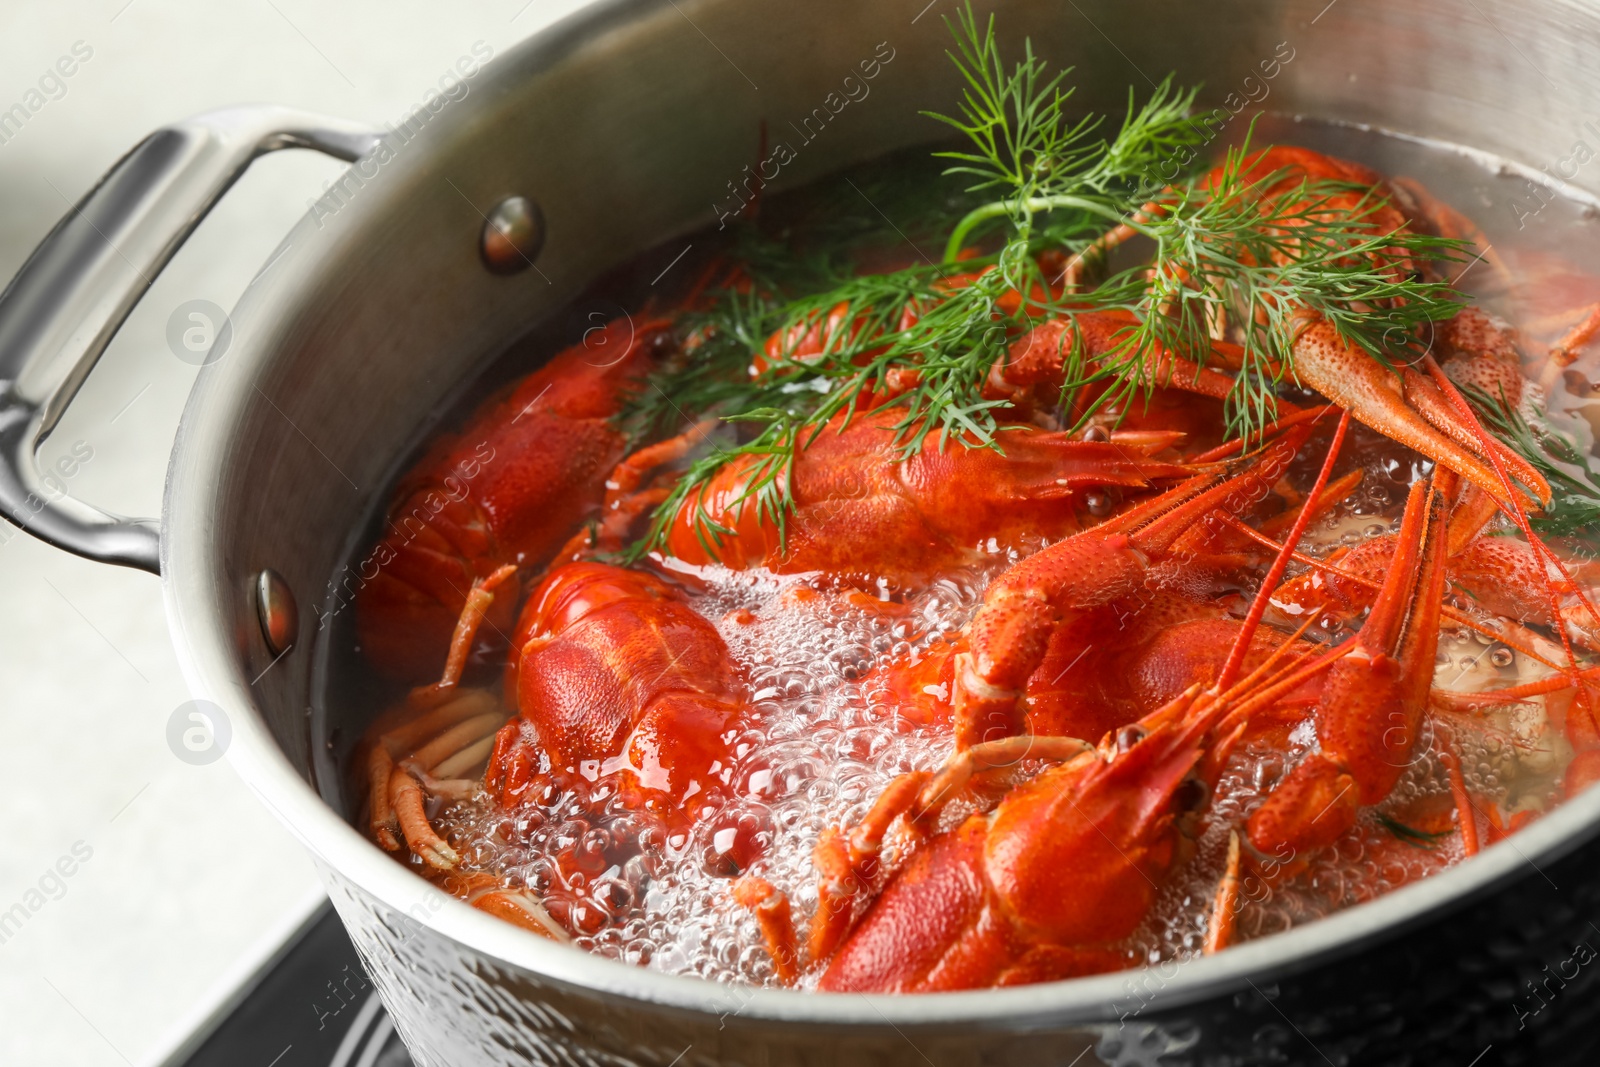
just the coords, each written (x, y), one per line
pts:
(191, 883)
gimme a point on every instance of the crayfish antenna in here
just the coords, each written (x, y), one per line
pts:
(1258, 607)
(1232, 448)
(1582, 728)
(1261, 688)
(1232, 490)
(1317, 505)
(1162, 519)
(1510, 634)
(1466, 813)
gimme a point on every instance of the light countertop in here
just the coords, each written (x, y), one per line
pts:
(144, 890)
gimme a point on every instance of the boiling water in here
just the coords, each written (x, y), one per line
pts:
(816, 749)
(815, 754)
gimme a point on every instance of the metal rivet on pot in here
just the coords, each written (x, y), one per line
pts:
(275, 607)
(513, 235)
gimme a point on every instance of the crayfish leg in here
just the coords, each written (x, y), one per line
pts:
(897, 799)
(520, 909)
(480, 598)
(405, 794)
(1466, 815)
(382, 821)
(1225, 905)
(1566, 351)
(776, 920)
(839, 884)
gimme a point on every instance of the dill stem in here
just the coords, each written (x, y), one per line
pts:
(1032, 205)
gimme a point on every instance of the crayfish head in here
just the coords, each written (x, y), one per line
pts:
(1078, 853)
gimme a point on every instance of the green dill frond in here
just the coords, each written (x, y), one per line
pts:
(1574, 482)
(1024, 144)
(708, 370)
(1226, 255)
(1015, 121)
(1410, 834)
(954, 337)
(1228, 261)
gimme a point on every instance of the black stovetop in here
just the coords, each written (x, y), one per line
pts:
(314, 1008)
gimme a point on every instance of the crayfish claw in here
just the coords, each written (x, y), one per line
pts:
(1377, 396)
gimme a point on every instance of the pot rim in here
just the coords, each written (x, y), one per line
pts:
(193, 583)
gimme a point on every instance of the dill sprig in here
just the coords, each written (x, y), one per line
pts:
(1574, 483)
(1223, 252)
(1226, 254)
(1024, 144)
(708, 370)
(1410, 834)
(956, 335)
(784, 257)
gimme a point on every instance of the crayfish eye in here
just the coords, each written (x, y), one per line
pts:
(1192, 795)
(1129, 736)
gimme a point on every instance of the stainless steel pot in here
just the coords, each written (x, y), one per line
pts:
(625, 124)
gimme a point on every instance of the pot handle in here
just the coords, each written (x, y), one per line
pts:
(71, 296)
